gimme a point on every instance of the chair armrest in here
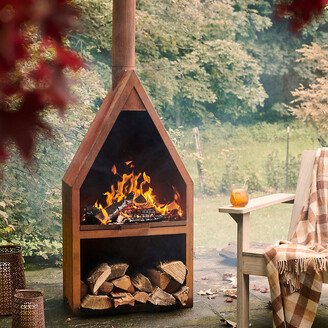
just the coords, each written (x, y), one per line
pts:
(259, 202)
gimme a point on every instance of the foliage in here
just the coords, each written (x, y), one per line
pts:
(31, 194)
(310, 101)
(275, 172)
(224, 60)
(233, 173)
(195, 71)
(275, 50)
(33, 58)
(255, 154)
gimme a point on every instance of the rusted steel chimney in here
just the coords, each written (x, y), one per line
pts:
(123, 38)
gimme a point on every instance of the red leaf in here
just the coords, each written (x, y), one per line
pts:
(3, 154)
(69, 59)
(10, 89)
(42, 72)
(22, 125)
(54, 18)
(300, 12)
(58, 93)
(61, 18)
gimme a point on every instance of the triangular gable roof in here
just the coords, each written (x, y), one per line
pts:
(128, 95)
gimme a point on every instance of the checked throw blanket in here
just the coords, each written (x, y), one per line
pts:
(295, 267)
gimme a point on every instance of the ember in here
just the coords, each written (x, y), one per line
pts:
(131, 200)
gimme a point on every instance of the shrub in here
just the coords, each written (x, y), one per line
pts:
(275, 172)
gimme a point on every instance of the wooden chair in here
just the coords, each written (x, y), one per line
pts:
(252, 262)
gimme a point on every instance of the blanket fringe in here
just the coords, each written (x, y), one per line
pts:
(290, 270)
(297, 266)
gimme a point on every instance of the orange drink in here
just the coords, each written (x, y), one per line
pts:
(239, 196)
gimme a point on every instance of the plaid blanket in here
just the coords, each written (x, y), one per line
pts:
(295, 267)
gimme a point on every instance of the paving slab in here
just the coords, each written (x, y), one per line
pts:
(209, 270)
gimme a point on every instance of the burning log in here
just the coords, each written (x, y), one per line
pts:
(116, 208)
(98, 276)
(159, 297)
(117, 270)
(182, 295)
(126, 299)
(124, 283)
(94, 302)
(158, 278)
(105, 288)
(137, 203)
(84, 289)
(91, 215)
(142, 283)
(141, 297)
(176, 269)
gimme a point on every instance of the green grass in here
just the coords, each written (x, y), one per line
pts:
(247, 148)
(214, 229)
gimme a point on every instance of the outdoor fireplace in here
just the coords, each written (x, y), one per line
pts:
(127, 200)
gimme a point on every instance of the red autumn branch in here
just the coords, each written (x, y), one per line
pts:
(33, 58)
(300, 12)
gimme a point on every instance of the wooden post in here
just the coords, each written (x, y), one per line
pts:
(287, 159)
(242, 279)
(123, 38)
(199, 160)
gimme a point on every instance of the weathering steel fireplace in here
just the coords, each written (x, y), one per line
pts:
(125, 134)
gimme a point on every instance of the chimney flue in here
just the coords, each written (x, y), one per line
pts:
(123, 38)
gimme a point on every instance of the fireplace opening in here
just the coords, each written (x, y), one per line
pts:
(133, 146)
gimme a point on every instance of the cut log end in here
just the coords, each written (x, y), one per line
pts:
(105, 288)
(172, 287)
(126, 299)
(124, 283)
(182, 295)
(159, 297)
(141, 297)
(158, 278)
(117, 270)
(98, 276)
(96, 302)
(142, 283)
(175, 269)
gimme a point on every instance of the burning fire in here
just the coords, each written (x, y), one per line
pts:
(132, 198)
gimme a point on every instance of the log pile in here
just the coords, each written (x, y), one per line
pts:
(110, 286)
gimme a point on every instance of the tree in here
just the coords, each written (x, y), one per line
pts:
(196, 70)
(30, 195)
(311, 100)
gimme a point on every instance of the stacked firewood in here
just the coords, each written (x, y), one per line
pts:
(108, 286)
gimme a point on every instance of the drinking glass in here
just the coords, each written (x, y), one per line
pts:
(239, 195)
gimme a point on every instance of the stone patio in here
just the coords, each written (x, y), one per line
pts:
(209, 269)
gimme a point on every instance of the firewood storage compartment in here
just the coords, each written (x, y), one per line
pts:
(127, 196)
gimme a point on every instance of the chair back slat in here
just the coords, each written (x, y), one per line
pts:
(303, 187)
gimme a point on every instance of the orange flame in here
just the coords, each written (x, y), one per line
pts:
(137, 188)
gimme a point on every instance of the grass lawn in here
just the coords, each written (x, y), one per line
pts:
(214, 229)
